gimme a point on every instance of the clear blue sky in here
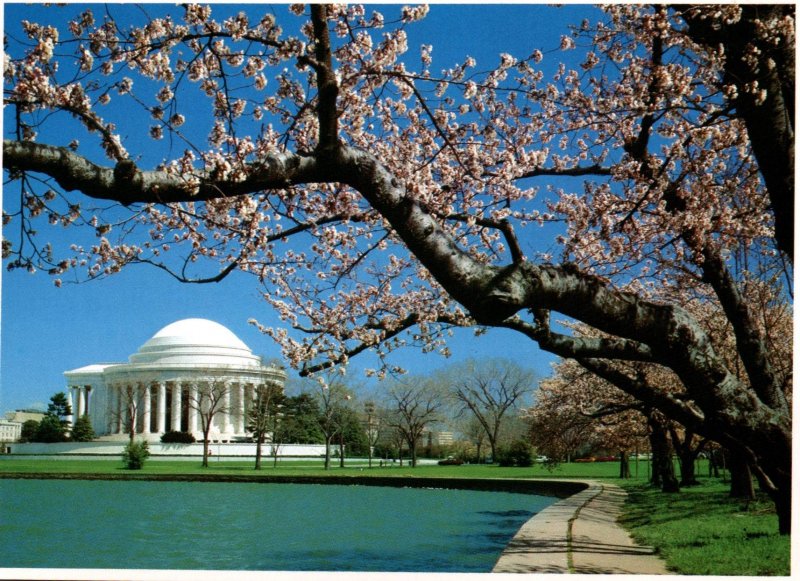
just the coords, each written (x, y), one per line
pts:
(48, 330)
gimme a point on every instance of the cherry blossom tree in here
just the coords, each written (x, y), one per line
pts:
(380, 201)
(575, 409)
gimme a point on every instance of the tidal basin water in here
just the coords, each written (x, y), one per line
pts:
(262, 527)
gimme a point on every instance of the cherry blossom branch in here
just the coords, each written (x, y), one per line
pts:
(503, 225)
(751, 344)
(389, 329)
(129, 185)
(687, 414)
(764, 98)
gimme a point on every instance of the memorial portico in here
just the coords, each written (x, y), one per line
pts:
(169, 380)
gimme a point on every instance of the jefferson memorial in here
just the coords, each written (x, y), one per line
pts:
(159, 385)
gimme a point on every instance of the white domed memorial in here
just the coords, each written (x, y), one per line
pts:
(160, 380)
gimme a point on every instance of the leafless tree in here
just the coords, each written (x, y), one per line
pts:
(489, 390)
(209, 398)
(415, 405)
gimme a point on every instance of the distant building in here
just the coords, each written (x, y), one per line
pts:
(23, 416)
(10, 431)
(433, 438)
(164, 375)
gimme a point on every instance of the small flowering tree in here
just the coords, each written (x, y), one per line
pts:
(381, 201)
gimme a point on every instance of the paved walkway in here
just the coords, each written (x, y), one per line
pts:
(579, 534)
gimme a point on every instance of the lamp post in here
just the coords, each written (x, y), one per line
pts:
(369, 408)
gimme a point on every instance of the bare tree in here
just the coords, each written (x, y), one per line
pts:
(331, 398)
(263, 416)
(414, 406)
(208, 398)
(488, 390)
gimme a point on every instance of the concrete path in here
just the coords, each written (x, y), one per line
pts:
(580, 534)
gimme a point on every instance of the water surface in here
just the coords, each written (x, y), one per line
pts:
(290, 527)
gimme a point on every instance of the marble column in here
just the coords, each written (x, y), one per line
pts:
(78, 390)
(146, 408)
(177, 388)
(226, 409)
(192, 427)
(111, 407)
(71, 417)
(161, 408)
(241, 420)
(119, 411)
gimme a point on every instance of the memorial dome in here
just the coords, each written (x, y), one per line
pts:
(194, 340)
(163, 383)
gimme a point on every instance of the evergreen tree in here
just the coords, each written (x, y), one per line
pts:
(82, 431)
(29, 430)
(51, 429)
(54, 424)
(299, 424)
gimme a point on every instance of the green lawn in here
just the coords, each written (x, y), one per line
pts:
(703, 531)
(311, 468)
(699, 531)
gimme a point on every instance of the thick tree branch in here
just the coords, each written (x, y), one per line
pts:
(580, 347)
(75, 172)
(326, 79)
(639, 389)
(768, 116)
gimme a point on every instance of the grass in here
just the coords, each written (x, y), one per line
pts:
(308, 467)
(699, 531)
(305, 467)
(703, 531)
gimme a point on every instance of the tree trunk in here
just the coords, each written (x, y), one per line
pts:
(741, 477)
(259, 439)
(205, 448)
(328, 452)
(341, 450)
(783, 506)
(624, 465)
(662, 457)
(687, 464)
(713, 463)
(687, 454)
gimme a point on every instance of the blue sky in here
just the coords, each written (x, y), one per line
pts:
(48, 330)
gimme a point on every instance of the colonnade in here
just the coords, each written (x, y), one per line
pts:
(176, 406)
(78, 400)
(161, 406)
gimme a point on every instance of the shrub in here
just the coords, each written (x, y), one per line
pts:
(519, 453)
(173, 437)
(135, 454)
